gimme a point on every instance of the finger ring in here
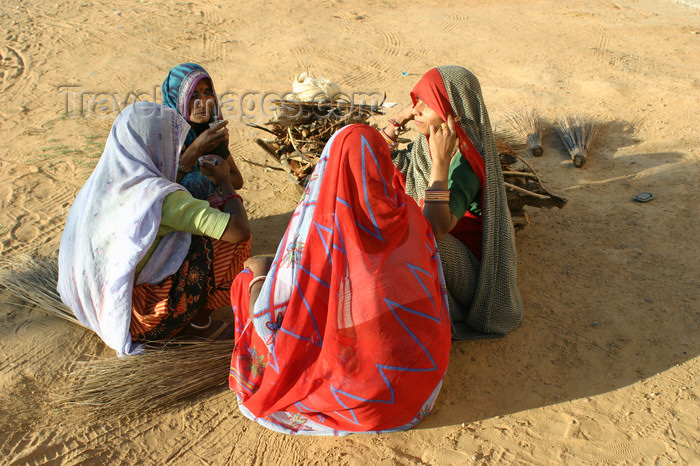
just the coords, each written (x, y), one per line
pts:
(443, 126)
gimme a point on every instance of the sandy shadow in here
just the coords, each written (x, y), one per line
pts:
(609, 299)
(267, 232)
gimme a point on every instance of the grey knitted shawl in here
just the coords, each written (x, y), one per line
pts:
(496, 307)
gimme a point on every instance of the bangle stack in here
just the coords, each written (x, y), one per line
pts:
(392, 144)
(437, 197)
(231, 196)
(182, 168)
(254, 281)
(397, 125)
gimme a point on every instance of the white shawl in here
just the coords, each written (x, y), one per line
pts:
(115, 219)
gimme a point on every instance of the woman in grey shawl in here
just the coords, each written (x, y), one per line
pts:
(453, 171)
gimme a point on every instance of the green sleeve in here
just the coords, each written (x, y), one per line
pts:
(464, 188)
(182, 212)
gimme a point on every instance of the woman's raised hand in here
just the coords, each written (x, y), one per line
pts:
(404, 115)
(212, 138)
(443, 140)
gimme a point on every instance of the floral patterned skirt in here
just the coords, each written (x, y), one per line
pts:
(203, 282)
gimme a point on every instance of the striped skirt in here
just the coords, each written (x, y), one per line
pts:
(203, 283)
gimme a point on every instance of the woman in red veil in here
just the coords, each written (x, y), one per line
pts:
(348, 331)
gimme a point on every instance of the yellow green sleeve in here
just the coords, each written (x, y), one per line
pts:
(182, 212)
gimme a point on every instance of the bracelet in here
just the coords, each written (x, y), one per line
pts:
(396, 124)
(392, 144)
(202, 327)
(182, 168)
(260, 278)
(231, 196)
(437, 196)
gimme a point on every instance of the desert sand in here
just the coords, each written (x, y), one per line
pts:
(604, 367)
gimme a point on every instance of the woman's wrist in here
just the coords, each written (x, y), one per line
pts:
(226, 186)
(189, 157)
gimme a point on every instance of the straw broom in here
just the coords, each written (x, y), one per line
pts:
(528, 125)
(164, 373)
(34, 281)
(577, 133)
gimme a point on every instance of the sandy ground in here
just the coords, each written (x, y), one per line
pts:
(603, 369)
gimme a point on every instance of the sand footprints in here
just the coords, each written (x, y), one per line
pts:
(212, 16)
(602, 49)
(11, 67)
(212, 46)
(391, 44)
(366, 76)
(452, 23)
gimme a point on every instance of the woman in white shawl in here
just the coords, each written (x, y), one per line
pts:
(140, 258)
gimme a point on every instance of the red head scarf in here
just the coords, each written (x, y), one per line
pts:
(431, 90)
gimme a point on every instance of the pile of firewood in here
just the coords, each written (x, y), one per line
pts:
(301, 130)
(523, 185)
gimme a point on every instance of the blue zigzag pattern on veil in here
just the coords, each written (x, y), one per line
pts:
(381, 368)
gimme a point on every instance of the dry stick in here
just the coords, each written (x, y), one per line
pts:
(527, 164)
(262, 165)
(525, 191)
(252, 125)
(517, 173)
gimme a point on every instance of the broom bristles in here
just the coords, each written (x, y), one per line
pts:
(576, 133)
(33, 280)
(164, 373)
(528, 124)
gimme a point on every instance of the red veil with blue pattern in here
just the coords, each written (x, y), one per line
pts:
(351, 331)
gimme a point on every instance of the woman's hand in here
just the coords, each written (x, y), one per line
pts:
(405, 115)
(211, 138)
(216, 167)
(259, 265)
(443, 140)
(402, 117)
(205, 143)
